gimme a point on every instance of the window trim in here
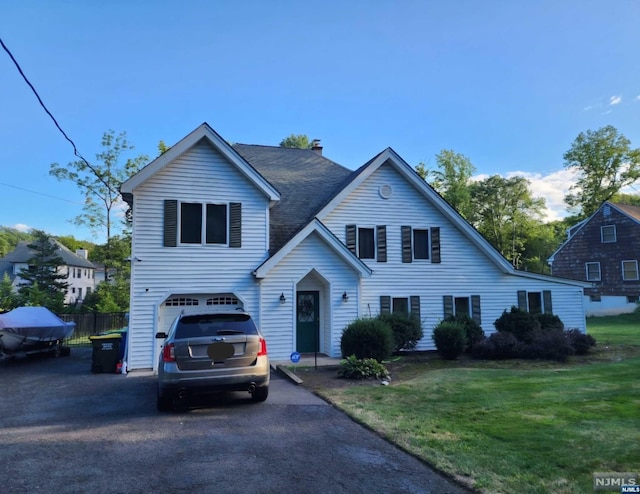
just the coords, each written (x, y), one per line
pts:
(203, 223)
(586, 268)
(374, 247)
(635, 262)
(602, 234)
(546, 300)
(427, 247)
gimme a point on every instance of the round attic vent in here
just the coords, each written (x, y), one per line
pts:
(385, 191)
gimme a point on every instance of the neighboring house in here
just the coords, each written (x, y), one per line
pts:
(307, 246)
(99, 273)
(604, 249)
(77, 267)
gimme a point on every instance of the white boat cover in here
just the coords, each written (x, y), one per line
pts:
(36, 318)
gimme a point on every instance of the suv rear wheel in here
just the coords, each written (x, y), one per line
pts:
(260, 394)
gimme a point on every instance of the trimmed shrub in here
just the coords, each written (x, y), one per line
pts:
(450, 339)
(472, 329)
(367, 338)
(498, 346)
(552, 345)
(550, 322)
(368, 368)
(519, 323)
(580, 342)
(406, 330)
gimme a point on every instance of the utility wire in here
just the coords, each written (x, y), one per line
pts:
(75, 149)
(41, 193)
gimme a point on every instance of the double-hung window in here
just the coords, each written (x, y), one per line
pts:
(535, 302)
(608, 234)
(367, 242)
(462, 306)
(420, 243)
(191, 223)
(630, 270)
(203, 223)
(593, 271)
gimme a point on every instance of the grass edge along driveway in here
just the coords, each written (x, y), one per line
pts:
(517, 426)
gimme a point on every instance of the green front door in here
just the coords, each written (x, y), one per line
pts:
(308, 322)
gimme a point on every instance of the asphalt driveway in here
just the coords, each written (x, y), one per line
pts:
(66, 430)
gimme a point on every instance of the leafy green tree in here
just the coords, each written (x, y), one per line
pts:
(162, 148)
(628, 199)
(605, 163)
(503, 210)
(9, 238)
(109, 296)
(296, 141)
(8, 297)
(422, 170)
(540, 241)
(100, 184)
(452, 180)
(44, 283)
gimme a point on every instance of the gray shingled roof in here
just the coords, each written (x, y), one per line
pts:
(22, 253)
(305, 179)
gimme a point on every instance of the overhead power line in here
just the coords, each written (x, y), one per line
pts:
(41, 193)
(75, 149)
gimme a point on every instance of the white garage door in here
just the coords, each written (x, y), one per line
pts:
(174, 305)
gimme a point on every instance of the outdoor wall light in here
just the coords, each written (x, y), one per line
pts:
(345, 297)
(283, 299)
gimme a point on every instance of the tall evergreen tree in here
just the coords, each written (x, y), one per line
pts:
(43, 282)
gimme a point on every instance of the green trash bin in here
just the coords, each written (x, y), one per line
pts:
(106, 353)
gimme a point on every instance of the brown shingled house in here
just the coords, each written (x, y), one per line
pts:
(604, 249)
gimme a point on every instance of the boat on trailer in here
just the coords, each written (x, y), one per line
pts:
(28, 330)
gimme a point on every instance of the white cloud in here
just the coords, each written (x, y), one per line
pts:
(638, 98)
(552, 188)
(614, 100)
(21, 227)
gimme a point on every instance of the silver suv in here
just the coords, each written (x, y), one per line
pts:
(207, 352)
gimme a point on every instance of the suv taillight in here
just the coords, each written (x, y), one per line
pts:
(168, 353)
(263, 348)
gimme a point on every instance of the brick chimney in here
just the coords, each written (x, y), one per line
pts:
(315, 146)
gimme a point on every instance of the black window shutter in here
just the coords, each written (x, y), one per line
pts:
(447, 302)
(407, 255)
(546, 296)
(475, 309)
(381, 233)
(522, 300)
(351, 238)
(385, 304)
(235, 225)
(170, 223)
(435, 245)
(414, 306)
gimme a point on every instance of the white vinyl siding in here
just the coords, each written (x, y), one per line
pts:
(461, 265)
(630, 270)
(201, 175)
(292, 274)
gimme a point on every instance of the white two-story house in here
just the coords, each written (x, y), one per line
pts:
(307, 246)
(76, 266)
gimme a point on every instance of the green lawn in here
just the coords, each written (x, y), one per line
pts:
(520, 426)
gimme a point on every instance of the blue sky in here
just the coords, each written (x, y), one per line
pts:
(508, 84)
